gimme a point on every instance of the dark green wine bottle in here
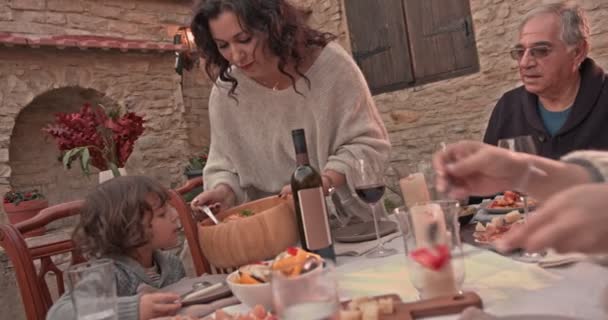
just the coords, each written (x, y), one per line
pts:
(309, 201)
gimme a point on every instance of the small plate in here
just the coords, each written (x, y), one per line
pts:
(363, 231)
(485, 207)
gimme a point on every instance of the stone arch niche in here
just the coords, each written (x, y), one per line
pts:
(34, 158)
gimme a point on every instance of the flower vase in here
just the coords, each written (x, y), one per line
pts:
(26, 210)
(107, 174)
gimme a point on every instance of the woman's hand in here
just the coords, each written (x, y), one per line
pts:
(160, 304)
(474, 168)
(574, 220)
(218, 199)
(285, 191)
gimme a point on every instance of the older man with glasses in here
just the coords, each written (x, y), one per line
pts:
(563, 102)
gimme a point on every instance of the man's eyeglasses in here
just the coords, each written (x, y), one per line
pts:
(536, 52)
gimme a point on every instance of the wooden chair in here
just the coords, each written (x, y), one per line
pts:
(201, 265)
(35, 292)
(190, 185)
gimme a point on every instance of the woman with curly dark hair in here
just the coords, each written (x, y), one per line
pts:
(274, 74)
(129, 220)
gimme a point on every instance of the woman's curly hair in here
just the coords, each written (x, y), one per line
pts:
(112, 221)
(288, 35)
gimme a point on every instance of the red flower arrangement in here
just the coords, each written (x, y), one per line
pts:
(103, 139)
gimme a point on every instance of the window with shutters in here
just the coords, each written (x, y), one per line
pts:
(403, 43)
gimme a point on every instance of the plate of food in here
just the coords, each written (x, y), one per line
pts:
(498, 227)
(507, 202)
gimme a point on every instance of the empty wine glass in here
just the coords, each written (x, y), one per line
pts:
(369, 185)
(523, 144)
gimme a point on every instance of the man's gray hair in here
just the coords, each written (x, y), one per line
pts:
(575, 27)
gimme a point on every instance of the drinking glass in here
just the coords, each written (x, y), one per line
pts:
(524, 144)
(309, 296)
(369, 185)
(93, 290)
(416, 224)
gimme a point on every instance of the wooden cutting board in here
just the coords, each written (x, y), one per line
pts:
(429, 307)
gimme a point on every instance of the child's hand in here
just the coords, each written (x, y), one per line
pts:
(161, 304)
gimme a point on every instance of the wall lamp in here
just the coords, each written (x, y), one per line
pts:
(188, 57)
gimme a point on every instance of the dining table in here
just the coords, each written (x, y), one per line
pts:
(506, 286)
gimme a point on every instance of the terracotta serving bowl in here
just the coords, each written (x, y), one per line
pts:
(270, 230)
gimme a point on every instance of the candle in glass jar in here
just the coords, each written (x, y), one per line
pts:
(414, 189)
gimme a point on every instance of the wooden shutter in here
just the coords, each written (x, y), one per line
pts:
(380, 42)
(442, 41)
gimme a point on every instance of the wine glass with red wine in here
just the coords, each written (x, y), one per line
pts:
(369, 185)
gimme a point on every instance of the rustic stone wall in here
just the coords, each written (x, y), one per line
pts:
(146, 83)
(196, 90)
(41, 82)
(154, 20)
(328, 16)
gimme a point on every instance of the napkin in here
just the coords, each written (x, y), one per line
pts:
(472, 313)
(361, 248)
(554, 259)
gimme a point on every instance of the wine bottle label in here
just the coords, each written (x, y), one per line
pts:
(314, 218)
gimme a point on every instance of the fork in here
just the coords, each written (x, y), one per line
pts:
(202, 290)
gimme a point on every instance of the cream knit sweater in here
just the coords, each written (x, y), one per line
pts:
(251, 146)
(596, 162)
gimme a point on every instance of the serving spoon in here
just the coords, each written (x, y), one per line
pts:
(209, 213)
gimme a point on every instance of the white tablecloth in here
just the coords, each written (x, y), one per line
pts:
(507, 287)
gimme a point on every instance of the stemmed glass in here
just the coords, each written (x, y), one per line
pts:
(523, 144)
(369, 185)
